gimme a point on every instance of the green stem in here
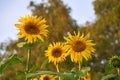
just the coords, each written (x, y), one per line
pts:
(79, 66)
(57, 69)
(28, 61)
(118, 71)
(79, 70)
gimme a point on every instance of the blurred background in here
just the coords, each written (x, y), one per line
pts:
(101, 18)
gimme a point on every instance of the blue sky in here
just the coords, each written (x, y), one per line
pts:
(11, 10)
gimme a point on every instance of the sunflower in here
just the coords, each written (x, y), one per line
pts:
(79, 47)
(87, 77)
(56, 52)
(32, 28)
(34, 79)
(47, 77)
(115, 61)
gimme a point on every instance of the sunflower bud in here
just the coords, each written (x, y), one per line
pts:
(115, 61)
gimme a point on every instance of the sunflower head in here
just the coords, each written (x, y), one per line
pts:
(56, 52)
(79, 46)
(34, 79)
(47, 77)
(87, 77)
(32, 28)
(115, 61)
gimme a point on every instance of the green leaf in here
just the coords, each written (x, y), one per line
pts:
(20, 73)
(39, 41)
(21, 44)
(84, 71)
(28, 46)
(67, 76)
(108, 76)
(44, 64)
(118, 77)
(33, 68)
(3, 67)
(40, 73)
(81, 72)
(77, 72)
(14, 59)
(25, 45)
(108, 68)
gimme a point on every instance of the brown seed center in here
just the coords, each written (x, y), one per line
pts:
(78, 46)
(56, 52)
(46, 78)
(31, 29)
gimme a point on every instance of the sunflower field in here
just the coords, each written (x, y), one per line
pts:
(52, 46)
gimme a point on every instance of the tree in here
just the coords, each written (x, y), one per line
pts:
(108, 27)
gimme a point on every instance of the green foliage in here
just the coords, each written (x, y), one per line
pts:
(44, 64)
(20, 73)
(14, 59)
(21, 44)
(108, 68)
(39, 41)
(74, 74)
(25, 45)
(28, 46)
(32, 69)
(109, 77)
(40, 73)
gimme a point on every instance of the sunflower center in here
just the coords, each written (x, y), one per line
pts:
(78, 46)
(116, 63)
(46, 78)
(87, 77)
(56, 52)
(32, 29)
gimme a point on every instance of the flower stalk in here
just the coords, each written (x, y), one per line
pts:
(79, 70)
(79, 66)
(118, 71)
(28, 61)
(57, 69)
